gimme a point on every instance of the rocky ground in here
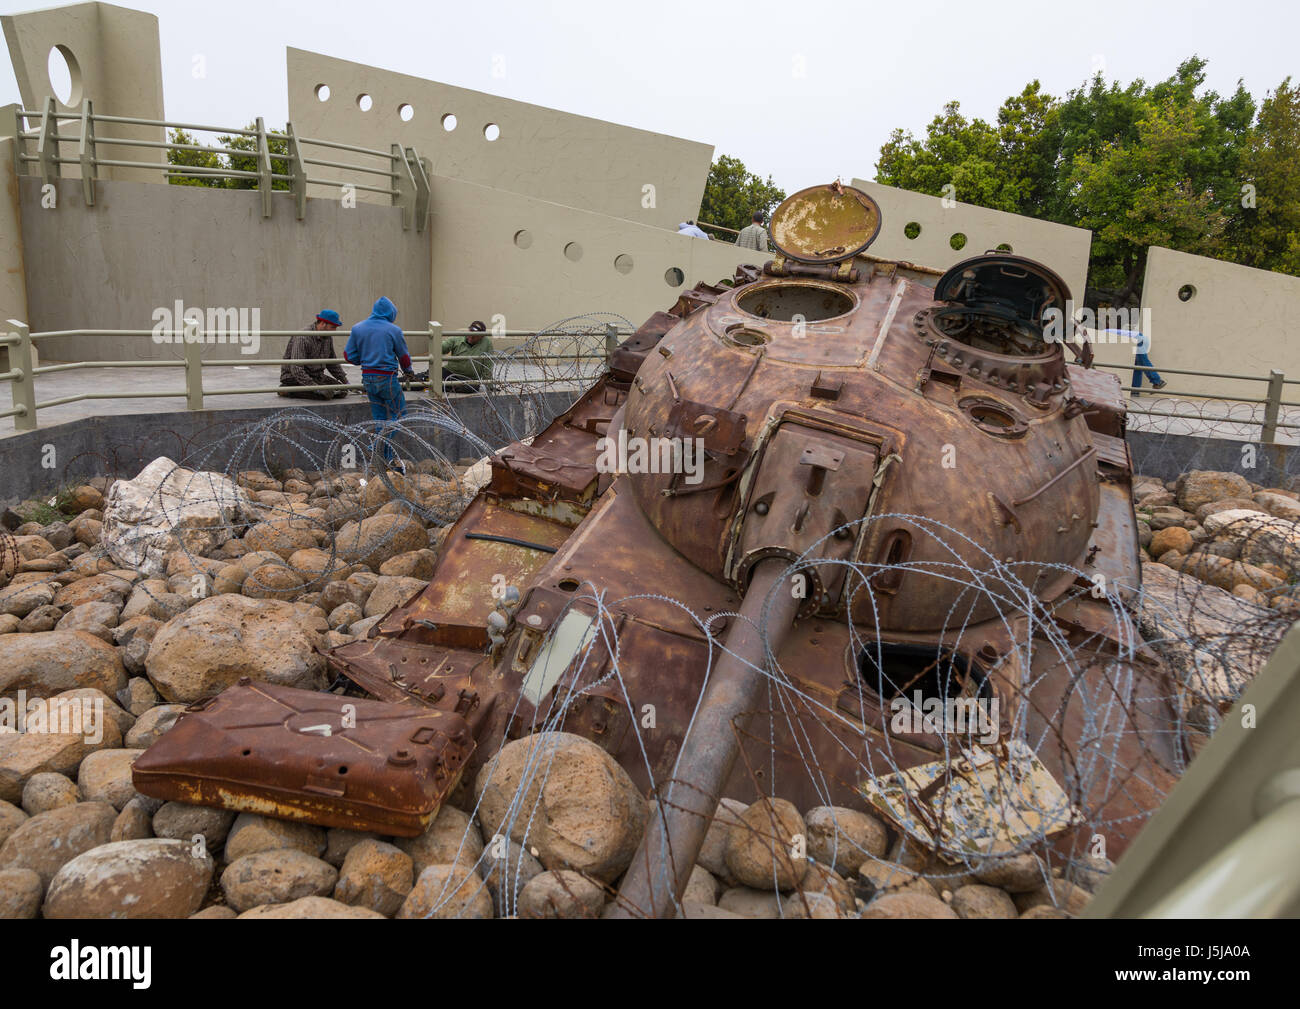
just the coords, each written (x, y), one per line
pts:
(265, 573)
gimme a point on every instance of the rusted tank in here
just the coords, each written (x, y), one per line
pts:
(903, 486)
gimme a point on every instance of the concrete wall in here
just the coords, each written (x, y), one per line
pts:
(1239, 321)
(1061, 248)
(13, 277)
(116, 61)
(480, 267)
(541, 152)
(142, 247)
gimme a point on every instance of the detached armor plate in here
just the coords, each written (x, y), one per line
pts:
(315, 757)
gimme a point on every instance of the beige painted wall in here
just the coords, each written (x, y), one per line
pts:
(13, 284)
(1057, 246)
(119, 62)
(142, 247)
(1240, 321)
(479, 270)
(541, 152)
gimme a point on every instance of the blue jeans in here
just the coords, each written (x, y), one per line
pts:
(386, 404)
(1143, 361)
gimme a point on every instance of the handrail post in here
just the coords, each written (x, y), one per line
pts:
(611, 341)
(264, 167)
(193, 372)
(86, 152)
(1273, 406)
(403, 186)
(299, 172)
(47, 148)
(420, 176)
(435, 357)
(20, 359)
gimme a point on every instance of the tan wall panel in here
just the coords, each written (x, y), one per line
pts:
(13, 283)
(480, 271)
(1240, 321)
(551, 155)
(142, 247)
(1061, 248)
(119, 59)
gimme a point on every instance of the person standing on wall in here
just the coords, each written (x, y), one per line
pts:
(311, 345)
(754, 236)
(379, 348)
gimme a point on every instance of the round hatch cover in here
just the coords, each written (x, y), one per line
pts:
(825, 224)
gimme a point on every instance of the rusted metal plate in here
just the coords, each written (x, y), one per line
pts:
(1102, 392)
(317, 757)
(489, 546)
(1113, 453)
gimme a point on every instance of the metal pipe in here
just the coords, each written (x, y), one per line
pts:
(673, 838)
(350, 168)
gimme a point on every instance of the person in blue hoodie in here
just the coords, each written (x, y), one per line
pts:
(378, 347)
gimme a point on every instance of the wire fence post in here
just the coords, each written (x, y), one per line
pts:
(20, 359)
(193, 373)
(435, 357)
(1272, 407)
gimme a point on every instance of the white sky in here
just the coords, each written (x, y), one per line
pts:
(721, 73)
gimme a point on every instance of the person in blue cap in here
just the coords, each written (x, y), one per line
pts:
(311, 345)
(379, 348)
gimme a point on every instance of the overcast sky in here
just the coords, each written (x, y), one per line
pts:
(800, 91)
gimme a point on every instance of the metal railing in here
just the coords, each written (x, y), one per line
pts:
(22, 372)
(1271, 422)
(404, 174)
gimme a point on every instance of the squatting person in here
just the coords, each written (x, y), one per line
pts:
(465, 376)
(313, 344)
(379, 348)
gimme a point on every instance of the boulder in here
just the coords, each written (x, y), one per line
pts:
(153, 725)
(375, 875)
(701, 887)
(339, 841)
(149, 878)
(166, 508)
(48, 663)
(713, 853)
(379, 538)
(20, 598)
(46, 843)
(134, 822)
(223, 638)
(507, 867)
(908, 905)
(447, 891)
(585, 812)
(184, 822)
(105, 776)
(20, 893)
(1171, 538)
(310, 908)
(761, 849)
(750, 903)
(48, 790)
(1013, 873)
(252, 833)
(561, 894)
(1204, 486)
(844, 838)
(282, 537)
(276, 877)
(451, 837)
(11, 817)
(272, 581)
(415, 564)
(978, 901)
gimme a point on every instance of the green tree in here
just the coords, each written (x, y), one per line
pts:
(192, 159)
(732, 194)
(277, 144)
(1269, 235)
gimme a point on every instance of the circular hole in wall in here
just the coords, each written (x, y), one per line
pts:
(674, 277)
(957, 241)
(573, 251)
(911, 229)
(365, 102)
(623, 263)
(405, 112)
(491, 131)
(65, 75)
(1004, 247)
(322, 92)
(524, 238)
(1186, 293)
(449, 122)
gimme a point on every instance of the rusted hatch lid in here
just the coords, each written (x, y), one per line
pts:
(1004, 284)
(825, 224)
